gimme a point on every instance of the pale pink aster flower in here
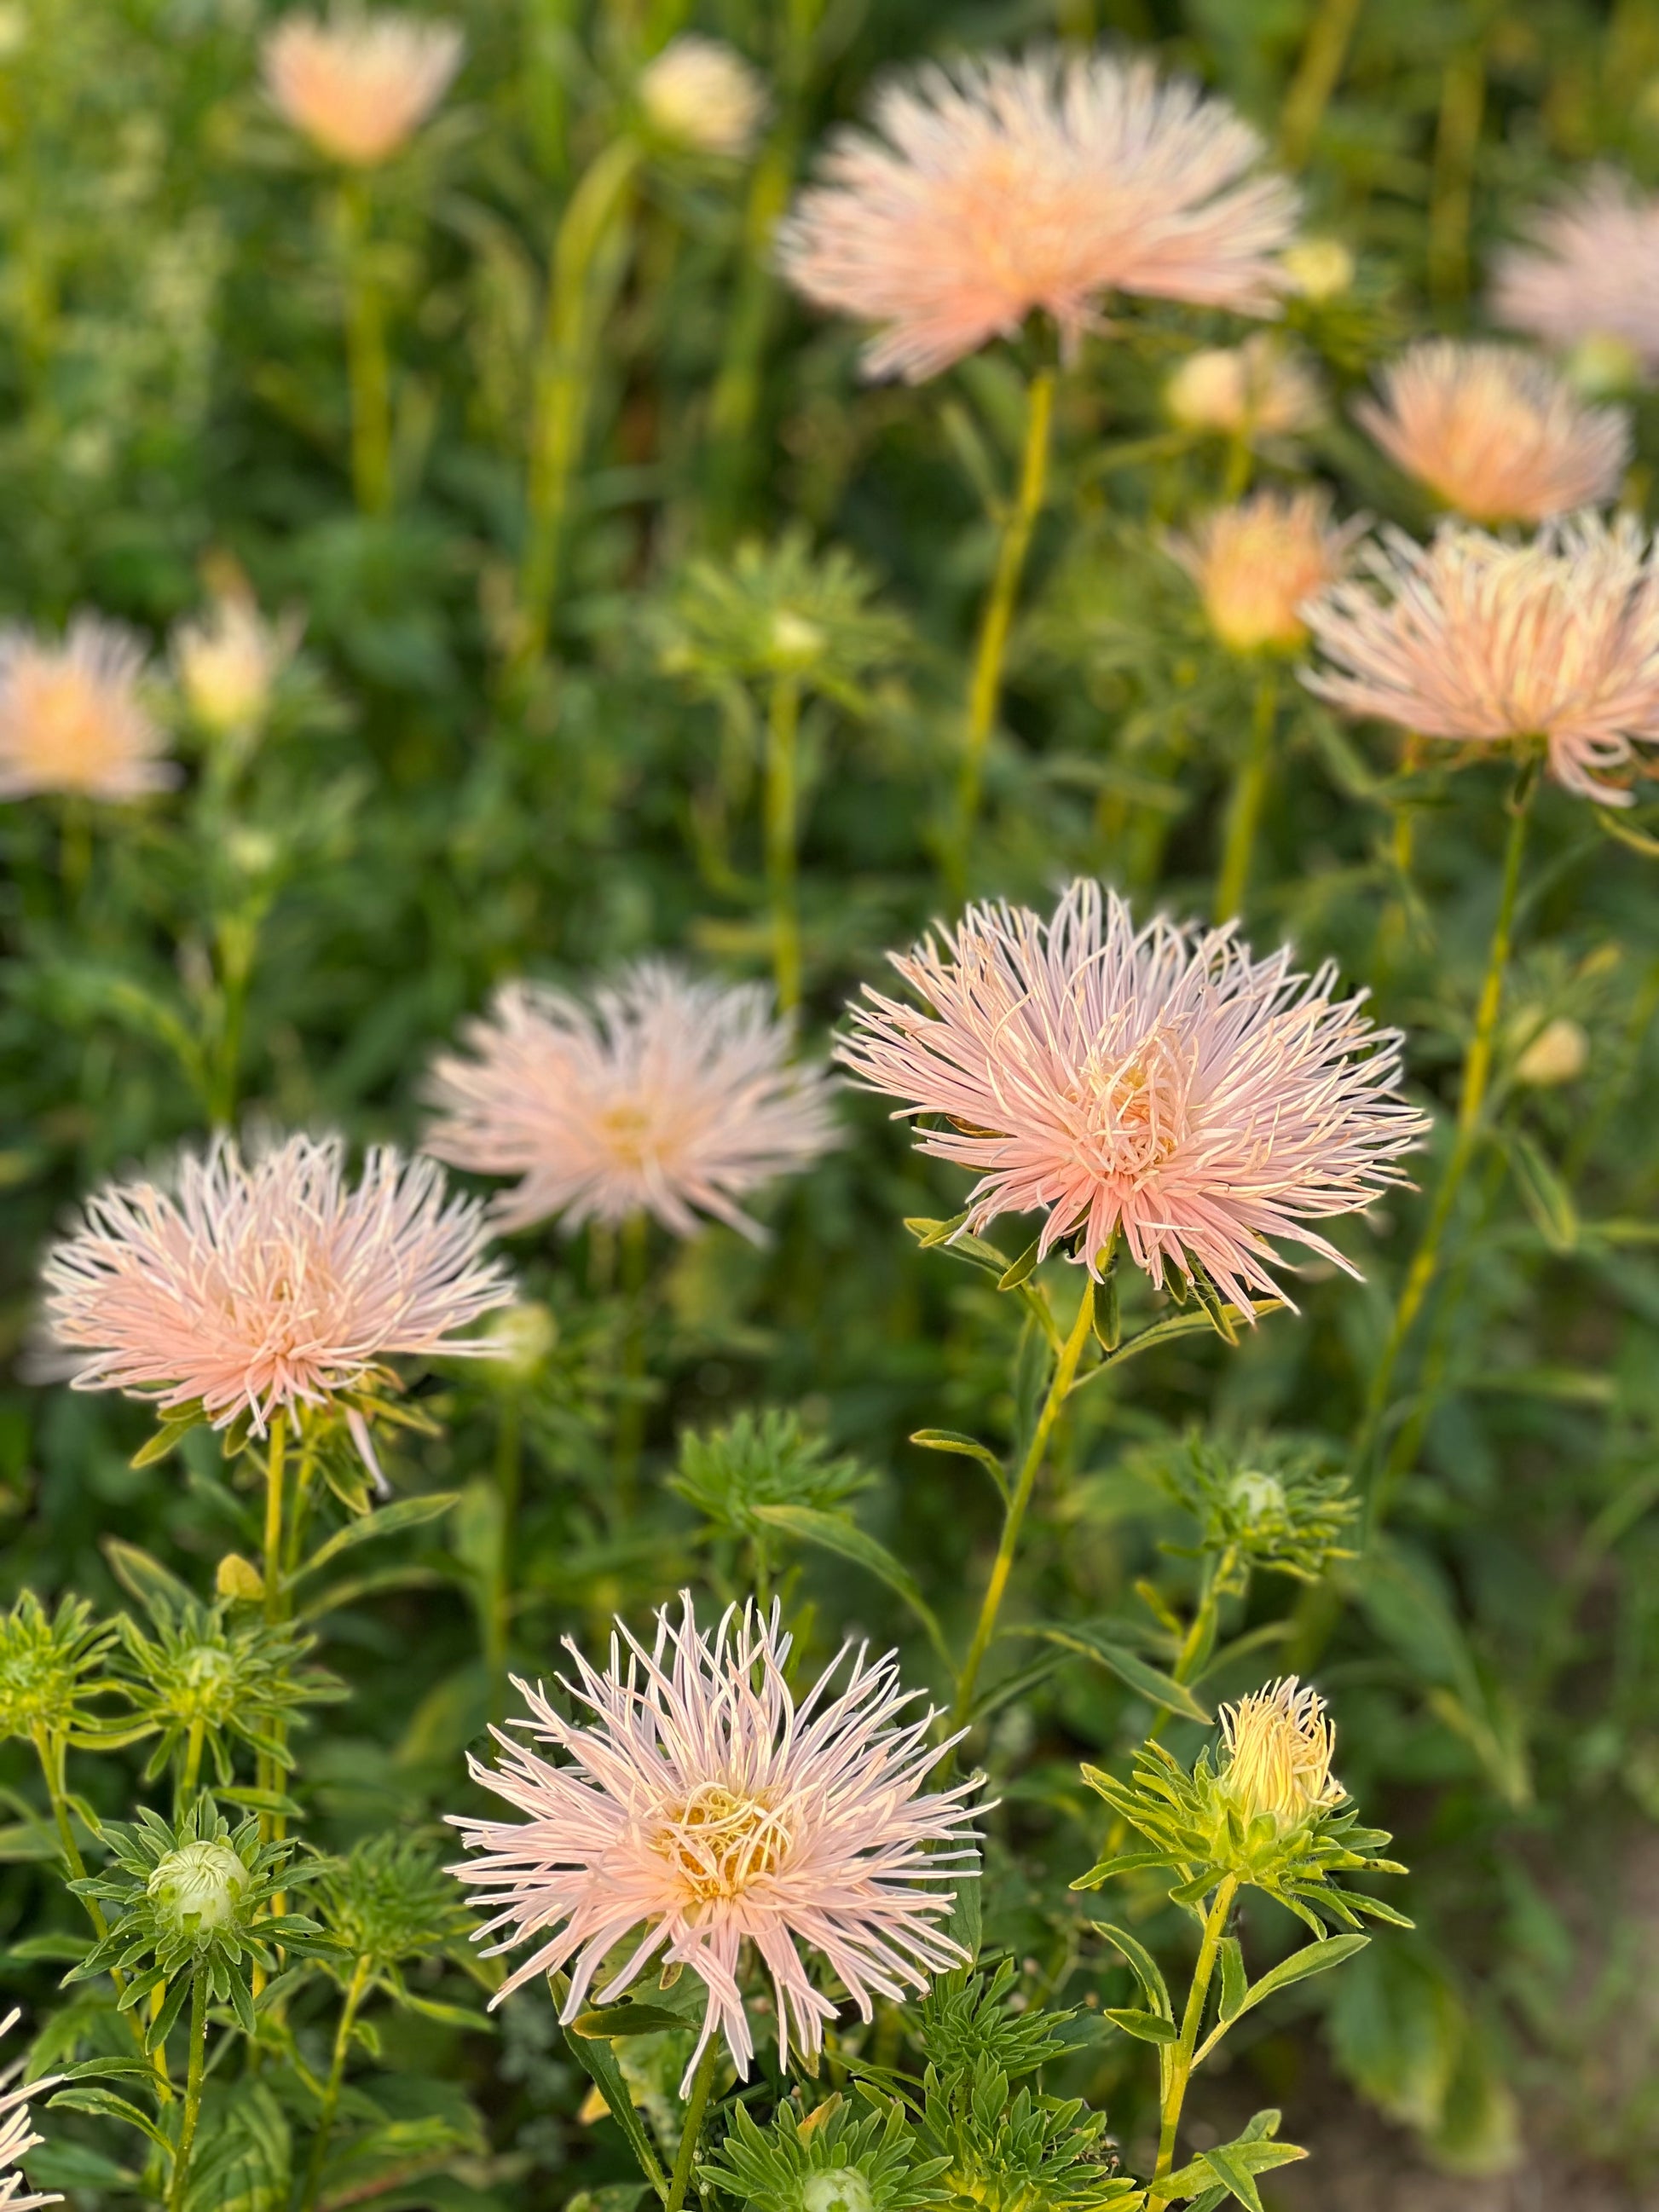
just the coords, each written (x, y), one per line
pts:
(360, 84)
(667, 1095)
(999, 186)
(704, 1804)
(1158, 1081)
(257, 1286)
(1494, 434)
(1475, 638)
(72, 719)
(17, 2137)
(1256, 562)
(1592, 272)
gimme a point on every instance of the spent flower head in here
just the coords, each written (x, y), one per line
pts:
(50, 1664)
(993, 188)
(705, 1806)
(1590, 273)
(17, 2135)
(209, 1678)
(72, 716)
(1257, 392)
(701, 96)
(781, 612)
(1492, 644)
(360, 82)
(1159, 1083)
(664, 1094)
(1267, 1501)
(1495, 434)
(1256, 564)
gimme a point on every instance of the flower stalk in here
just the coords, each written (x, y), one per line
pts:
(1178, 2072)
(680, 2180)
(192, 2110)
(368, 365)
(782, 732)
(356, 1990)
(1245, 803)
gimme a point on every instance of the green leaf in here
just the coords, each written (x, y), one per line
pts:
(834, 1532)
(385, 1521)
(1312, 1959)
(1128, 1666)
(145, 1577)
(1234, 1982)
(952, 1440)
(1021, 1270)
(1146, 2026)
(1236, 2165)
(107, 2105)
(594, 2055)
(166, 1439)
(633, 2017)
(1146, 1969)
(1185, 1324)
(1543, 1193)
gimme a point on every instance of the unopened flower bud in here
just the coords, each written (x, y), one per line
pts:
(198, 1887)
(1559, 1054)
(701, 96)
(796, 642)
(1603, 366)
(1256, 1496)
(522, 1337)
(1276, 1754)
(1255, 390)
(1318, 268)
(227, 663)
(238, 1578)
(844, 2189)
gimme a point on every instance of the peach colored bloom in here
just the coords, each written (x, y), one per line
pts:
(996, 187)
(1476, 639)
(1156, 1081)
(360, 84)
(228, 661)
(705, 1804)
(1255, 391)
(1592, 271)
(667, 1095)
(1495, 434)
(1255, 563)
(256, 1286)
(702, 95)
(71, 717)
(17, 2137)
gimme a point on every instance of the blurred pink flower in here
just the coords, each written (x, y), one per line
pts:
(703, 1803)
(359, 84)
(258, 1286)
(1592, 272)
(17, 2137)
(1254, 563)
(668, 1096)
(71, 719)
(1476, 639)
(1495, 434)
(999, 186)
(1158, 1081)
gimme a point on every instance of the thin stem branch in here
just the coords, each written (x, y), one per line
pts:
(701, 2082)
(1058, 1389)
(368, 367)
(782, 728)
(509, 1477)
(1317, 75)
(1181, 2068)
(354, 1997)
(274, 1461)
(1244, 805)
(192, 2112)
(985, 689)
(634, 1242)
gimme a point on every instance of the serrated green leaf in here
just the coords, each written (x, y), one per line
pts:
(1146, 2026)
(107, 2105)
(1128, 1666)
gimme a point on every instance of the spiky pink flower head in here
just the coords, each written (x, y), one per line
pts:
(1255, 563)
(667, 1095)
(1494, 434)
(17, 2137)
(702, 1803)
(1592, 272)
(257, 1285)
(1157, 1081)
(1490, 643)
(996, 187)
(360, 84)
(72, 719)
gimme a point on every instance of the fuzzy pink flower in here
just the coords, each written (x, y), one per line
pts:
(704, 1804)
(1156, 1081)
(999, 186)
(17, 2137)
(71, 716)
(1592, 273)
(358, 85)
(1495, 434)
(258, 1286)
(668, 1097)
(1476, 639)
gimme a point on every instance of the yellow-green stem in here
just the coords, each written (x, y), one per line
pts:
(509, 1463)
(701, 2082)
(1059, 1390)
(354, 1997)
(1180, 2066)
(1462, 103)
(985, 688)
(1477, 1073)
(192, 2110)
(633, 1241)
(75, 848)
(562, 375)
(368, 367)
(1194, 1644)
(274, 1460)
(1245, 801)
(782, 728)
(1317, 77)
(192, 1775)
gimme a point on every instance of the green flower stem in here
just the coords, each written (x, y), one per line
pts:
(1195, 1647)
(1316, 77)
(192, 2112)
(1462, 106)
(1477, 1073)
(634, 1242)
(192, 1774)
(1060, 1389)
(355, 1989)
(75, 848)
(583, 278)
(985, 689)
(782, 729)
(1179, 2071)
(368, 366)
(701, 2082)
(1244, 806)
(274, 1461)
(509, 1482)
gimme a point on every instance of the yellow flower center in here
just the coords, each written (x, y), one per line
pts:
(630, 1133)
(720, 1841)
(1132, 1108)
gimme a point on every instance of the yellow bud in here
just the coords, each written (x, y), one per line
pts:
(1276, 1748)
(1318, 268)
(238, 1578)
(1559, 1054)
